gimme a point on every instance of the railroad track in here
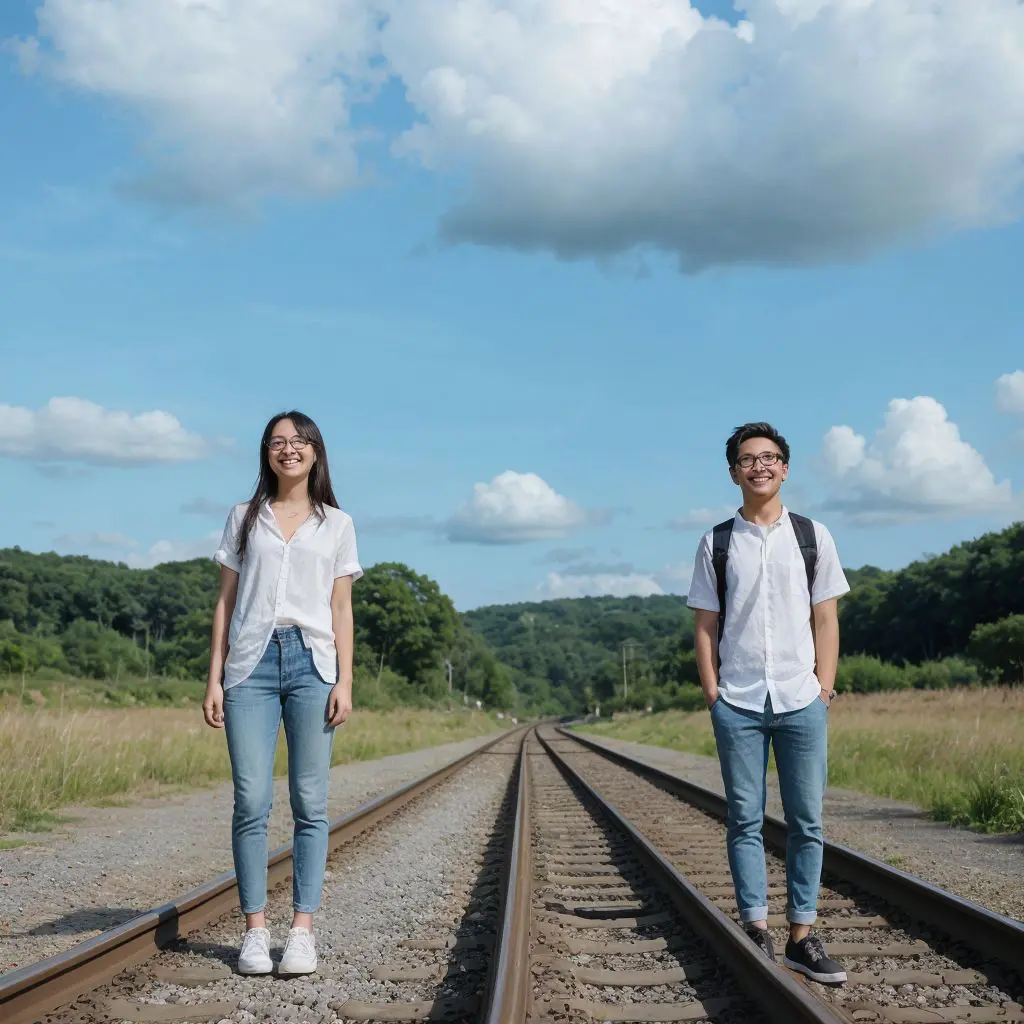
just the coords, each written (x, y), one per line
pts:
(601, 892)
(913, 952)
(31, 993)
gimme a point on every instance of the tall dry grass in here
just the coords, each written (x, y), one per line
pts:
(49, 760)
(957, 753)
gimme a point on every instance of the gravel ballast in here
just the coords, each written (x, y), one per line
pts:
(411, 877)
(114, 863)
(989, 870)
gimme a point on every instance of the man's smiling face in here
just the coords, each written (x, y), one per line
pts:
(759, 469)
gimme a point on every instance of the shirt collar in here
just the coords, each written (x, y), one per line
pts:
(742, 524)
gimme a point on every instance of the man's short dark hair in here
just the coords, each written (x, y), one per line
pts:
(749, 430)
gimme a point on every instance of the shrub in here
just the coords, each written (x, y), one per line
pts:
(999, 647)
(864, 673)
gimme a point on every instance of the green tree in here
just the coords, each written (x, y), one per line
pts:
(405, 619)
(12, 657)
(100, 652)
(187, 655)
(999, 647)
(478, 673)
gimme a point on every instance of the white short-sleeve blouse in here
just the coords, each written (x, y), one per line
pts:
(286, 583)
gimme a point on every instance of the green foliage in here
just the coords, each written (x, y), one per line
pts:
(912, 629)
(989, 805)
(142, 628)
(100, 652)
(565, 655)
(999, 647)
(187, 652)
(930, 609)
(404, 619)
(12, 657)
(864, 673)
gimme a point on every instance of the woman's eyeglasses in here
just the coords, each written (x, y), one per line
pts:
(276, 444)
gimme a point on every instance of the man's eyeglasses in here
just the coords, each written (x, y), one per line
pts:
(765, 458)
(276, 444)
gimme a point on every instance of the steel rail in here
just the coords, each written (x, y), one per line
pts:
(998, 937)
(509, 981)
(781, 997)
(30, 992)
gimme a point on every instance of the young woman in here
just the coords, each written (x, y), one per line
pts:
(281, 647)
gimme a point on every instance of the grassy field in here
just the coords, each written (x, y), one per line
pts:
(957, 753)
(49, 759)
(74, 693)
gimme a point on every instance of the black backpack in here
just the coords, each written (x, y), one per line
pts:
(802, 527)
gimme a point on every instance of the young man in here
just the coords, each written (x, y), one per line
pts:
(768, 674)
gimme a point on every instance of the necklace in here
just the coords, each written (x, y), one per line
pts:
(298, 511)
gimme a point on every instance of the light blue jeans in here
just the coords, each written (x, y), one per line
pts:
(285, 684)
(800, 740)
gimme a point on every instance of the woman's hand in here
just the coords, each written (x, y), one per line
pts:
(339, 704)
(213, 706)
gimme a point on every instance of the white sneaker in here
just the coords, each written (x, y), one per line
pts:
(254, 957)
(299, 955)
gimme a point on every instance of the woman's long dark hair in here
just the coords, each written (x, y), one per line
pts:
(321, 492)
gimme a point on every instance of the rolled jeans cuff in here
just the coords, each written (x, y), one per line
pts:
(754, 914)
(801, 916)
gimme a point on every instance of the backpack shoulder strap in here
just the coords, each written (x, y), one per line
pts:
(720, 538)
(805, 537)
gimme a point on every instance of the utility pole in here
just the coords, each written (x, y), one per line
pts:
(631, 646)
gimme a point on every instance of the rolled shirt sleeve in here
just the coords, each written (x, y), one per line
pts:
(704, 584)
(829, 579)
(227, 553)
(346, 561)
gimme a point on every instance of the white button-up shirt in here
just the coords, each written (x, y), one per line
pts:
(286, 583)
(768, 646)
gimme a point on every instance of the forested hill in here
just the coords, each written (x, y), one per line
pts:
(566, 652)
(77, 615)
(105, 620)
(931, 608)
(967, 603)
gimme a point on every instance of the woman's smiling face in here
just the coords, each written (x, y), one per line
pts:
(291, 456)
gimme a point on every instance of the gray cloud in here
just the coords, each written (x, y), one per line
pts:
(585, 130)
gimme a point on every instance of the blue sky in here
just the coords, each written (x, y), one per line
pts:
(525, 344)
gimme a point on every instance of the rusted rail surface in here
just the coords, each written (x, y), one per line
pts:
(509, 983)
(30, 992)
(997, 937)
(781, 997)
(508, 995)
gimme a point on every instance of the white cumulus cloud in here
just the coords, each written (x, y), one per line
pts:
(812, 130)
(1010, 393)
(515, 508)
(237, 99)
(131, 551)
(175, 551)
(75, 430)
(598, 585)
(576, 581)
(917, 466)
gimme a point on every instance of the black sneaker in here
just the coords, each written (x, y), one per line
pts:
(762, 938)
(808, 956)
